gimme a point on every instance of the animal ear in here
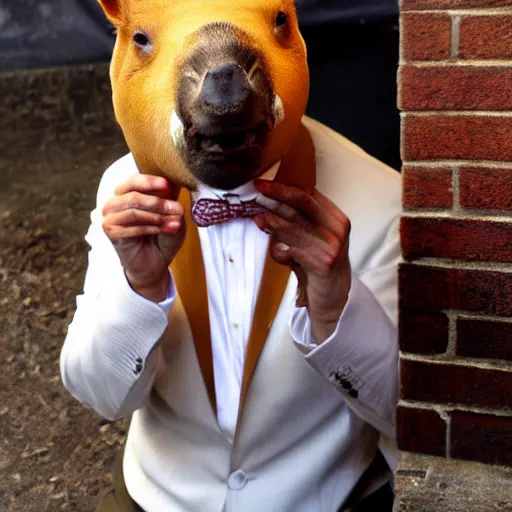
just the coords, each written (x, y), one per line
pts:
(113, 10)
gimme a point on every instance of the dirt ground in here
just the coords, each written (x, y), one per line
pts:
(55, 454)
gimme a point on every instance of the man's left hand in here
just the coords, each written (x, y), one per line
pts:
(311, 234)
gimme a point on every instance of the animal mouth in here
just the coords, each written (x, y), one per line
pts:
(230, 143)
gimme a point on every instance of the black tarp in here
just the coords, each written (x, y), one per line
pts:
(41, 33)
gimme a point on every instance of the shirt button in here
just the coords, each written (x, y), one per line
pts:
(237, 480)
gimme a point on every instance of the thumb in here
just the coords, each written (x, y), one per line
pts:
(302, 288)
(281, 252)
(170, 242)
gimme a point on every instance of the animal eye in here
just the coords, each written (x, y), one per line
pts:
(281, 19)
(141, 40)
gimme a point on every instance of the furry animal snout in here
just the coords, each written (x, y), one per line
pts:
(226, 107)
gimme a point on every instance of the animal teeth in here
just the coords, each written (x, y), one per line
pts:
(177, 130)
(207, 145)
(278, 110)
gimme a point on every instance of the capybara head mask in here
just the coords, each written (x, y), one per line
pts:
(208, 91)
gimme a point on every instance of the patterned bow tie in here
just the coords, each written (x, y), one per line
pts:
(207, 212)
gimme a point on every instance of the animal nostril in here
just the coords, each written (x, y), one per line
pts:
(226, 87)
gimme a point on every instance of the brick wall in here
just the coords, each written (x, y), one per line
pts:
(455, 92)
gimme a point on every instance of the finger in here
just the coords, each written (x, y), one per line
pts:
(133, 217)
(284, 211)
(325, 214)
(281, 252)
(317, 260)
(290, 232)
(119, 233)
(293, 196)
(335, 211)
(278, 227)
(173, 226)
(310, 252)
(146, 202)
(147, 183)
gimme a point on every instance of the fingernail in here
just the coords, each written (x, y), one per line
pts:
(169, 206)
(282, 247)
(173, 225)
(266, 202)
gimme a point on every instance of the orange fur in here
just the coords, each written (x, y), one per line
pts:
(145, 86)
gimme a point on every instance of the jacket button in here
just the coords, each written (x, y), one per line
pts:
(237, 480)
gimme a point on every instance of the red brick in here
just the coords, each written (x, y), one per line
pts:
(466, 239)
(412, 5)
(481, 437)
(433, 137)
(421, 431)
(425, 36)
(486, 188)
(443, 383)
(484, 339)
(456, 87)
(486, 37)
(427, 188)
(422, 332)
(426, 288)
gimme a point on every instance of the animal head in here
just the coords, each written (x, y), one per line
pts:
(208, 91)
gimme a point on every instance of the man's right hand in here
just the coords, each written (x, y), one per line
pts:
(145, 224)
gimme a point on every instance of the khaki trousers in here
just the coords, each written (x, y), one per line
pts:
(117, 499)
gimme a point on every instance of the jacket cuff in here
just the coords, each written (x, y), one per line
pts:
(300, 324)
(167, 303)
(128, 328)
(359, 350)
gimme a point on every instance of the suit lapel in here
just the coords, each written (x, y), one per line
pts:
(190, 280)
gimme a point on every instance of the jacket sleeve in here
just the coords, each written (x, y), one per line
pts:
(360, 358)
(108, 359)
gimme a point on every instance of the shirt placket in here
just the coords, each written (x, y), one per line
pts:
(237, 290)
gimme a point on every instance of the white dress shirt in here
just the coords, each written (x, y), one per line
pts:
(109, 359)
(236, 255)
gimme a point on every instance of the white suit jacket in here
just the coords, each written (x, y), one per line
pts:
(298, 429)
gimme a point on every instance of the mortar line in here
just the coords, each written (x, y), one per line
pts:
(455, 190)
(455, 36)
(457, 113)
(493, 164)
(451, 349)
(463, 213)
(448, 446)
(498, 365)
(490, 63)
(450, 407)
(504, 216)
(468, 315)
(464, 12)
(447, 263)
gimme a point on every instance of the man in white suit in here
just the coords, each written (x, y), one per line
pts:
(242, 398)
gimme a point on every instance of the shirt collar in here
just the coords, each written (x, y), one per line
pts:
(245, 192)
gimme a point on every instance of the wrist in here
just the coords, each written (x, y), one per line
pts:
(322, 326)
(154, 290)
(325, 321)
